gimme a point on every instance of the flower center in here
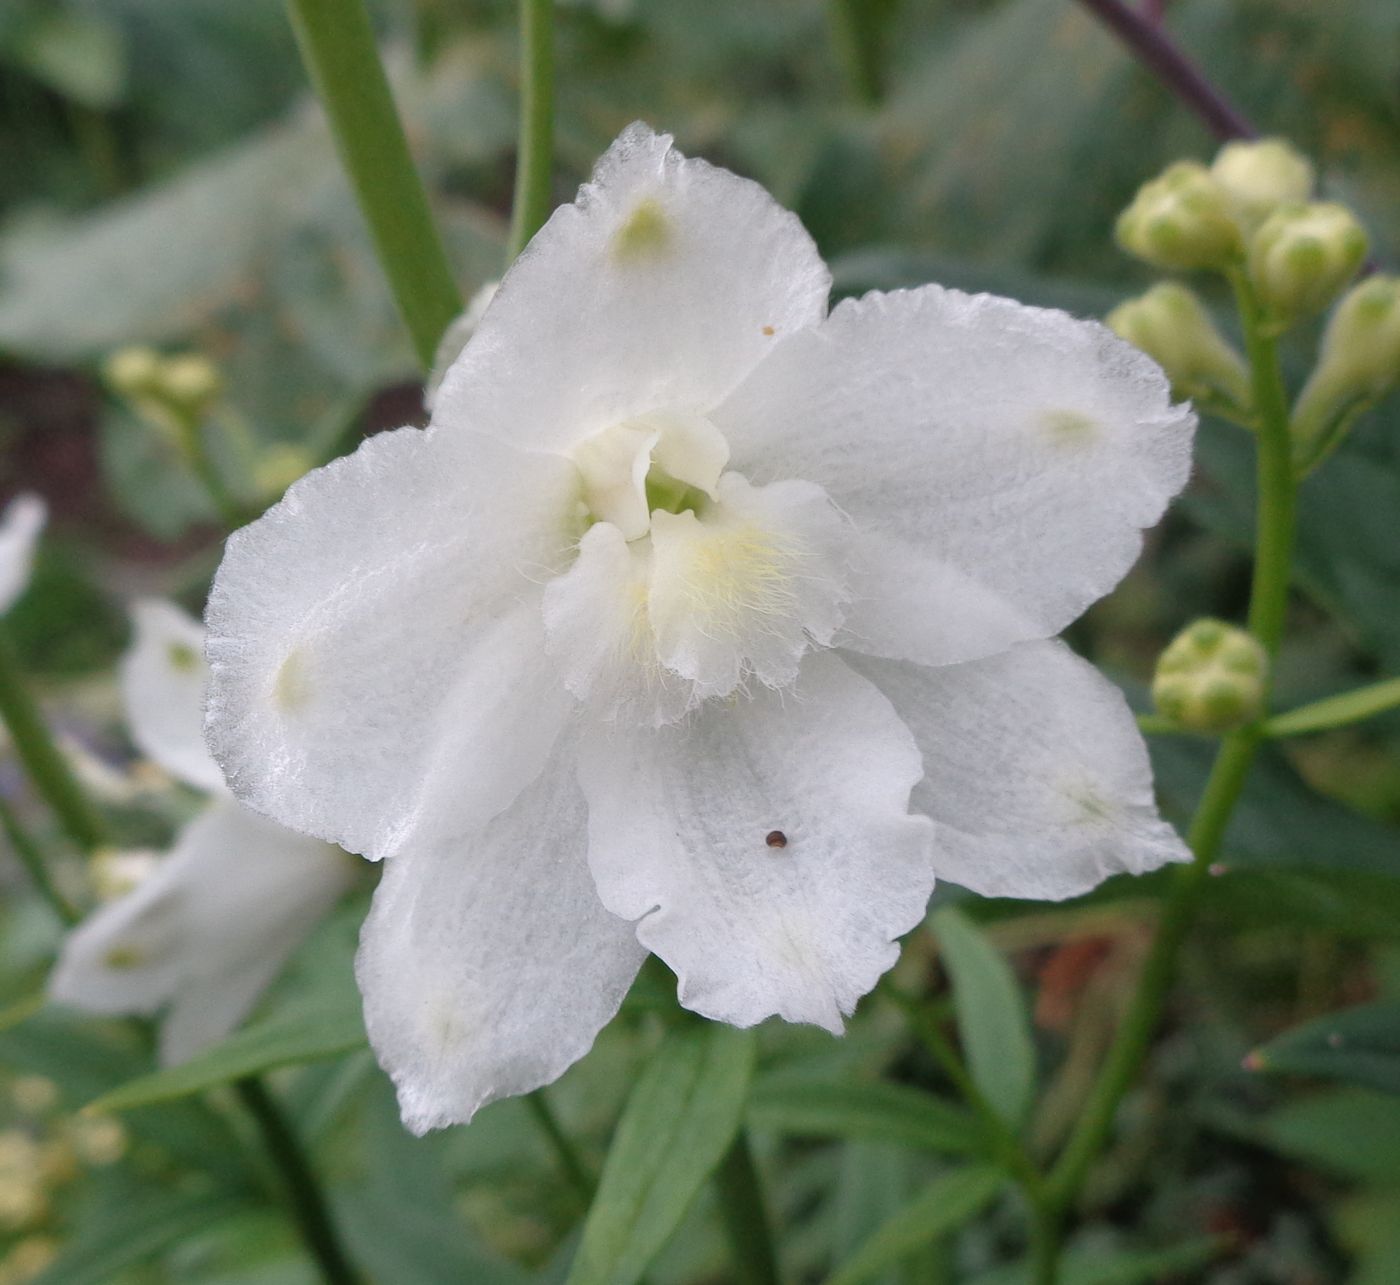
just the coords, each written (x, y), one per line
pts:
(667, 461)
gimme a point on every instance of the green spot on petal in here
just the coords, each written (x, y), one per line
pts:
(646, 232)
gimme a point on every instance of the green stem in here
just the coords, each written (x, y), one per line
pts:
(1337, 711)
(1045, 1243)
(855, 33)
(1010, 1152)
(1277, 490)
(42, 758)
(32, 858)
(1274, 521)
(745, 1215)
(535, 151)
(304, 1194)
(201, 463)
(338, 48)
(574, 1169)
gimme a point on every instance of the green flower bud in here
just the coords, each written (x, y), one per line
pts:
(190, 382)
(132, 372)
(1181, 219)
(1211, 678)
(1303, 256)
(1358, 364)
(1260, 176)
(1171, 325)
(280, 466)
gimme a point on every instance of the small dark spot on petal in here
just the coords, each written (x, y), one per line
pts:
(776, 839)
(768, 330)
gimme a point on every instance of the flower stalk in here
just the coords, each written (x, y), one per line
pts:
(535, 151)
(1274, 521)
(42, 759)
(1337, 711)
(337, 45)
(32, 859)
(304, 1196)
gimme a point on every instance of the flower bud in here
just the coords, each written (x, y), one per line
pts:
(1359, 362)
(1211, 678)
(132, 372)
(1260, 176)
(1303, 256)
(1181, 219)
(191, 382)
(1171, 325)
(279, 466)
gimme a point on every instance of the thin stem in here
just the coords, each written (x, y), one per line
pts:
(535, 150)
(1337, 711)
(1045, 1243)
(1277, 492)
(574, 1169)
(307, 1201)
(744, 1213)
(855, 35)
(1150, 44)
(202, 464)
(1274, 519)
(42, 758)
(1008, 1146)
(32, 858)
(337, 46)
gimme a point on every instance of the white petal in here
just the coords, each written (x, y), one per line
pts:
(660, 287)
(744, 590)
(205, 933)
(163, 679)
(24, 519)
(379, 631)
(488, 964)
(679, 821)
(1002, 459)
(1037, 776)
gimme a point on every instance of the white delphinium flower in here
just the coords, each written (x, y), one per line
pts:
(213, 922)
(644, 643)
(24, 519)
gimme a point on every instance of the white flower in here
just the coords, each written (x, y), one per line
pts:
(24, 519)
(204, 933)
(645, 642)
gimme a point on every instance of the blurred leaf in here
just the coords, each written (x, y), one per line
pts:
(674, 1131)
(991, 1014)
(1354, 1133)
(1358, 1046)
(1116, 1266)
(134, 1232)
(286, 1041)
(944, 1205)
(864, 1111)
(78, 55)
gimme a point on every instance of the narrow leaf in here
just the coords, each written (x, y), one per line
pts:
(284, 1042)
(863, 1111)
(133, 1233)
(944, 1204)
(991, 1015)
(674, 1131)
(1358, 1046)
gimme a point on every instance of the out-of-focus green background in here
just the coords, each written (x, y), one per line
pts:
(165, 179)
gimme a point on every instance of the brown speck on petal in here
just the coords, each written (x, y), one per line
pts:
(767, 330)
(776, 839)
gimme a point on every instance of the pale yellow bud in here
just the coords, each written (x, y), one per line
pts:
(28, 1259)
(1359, 362)
(1259, 176)
(99, 1139)
(1171, 325)
(1211, 678)
(1181, 220)
(132, 372)
(34, 1095)
(191, 382)
(279, 466)
(1303, 256)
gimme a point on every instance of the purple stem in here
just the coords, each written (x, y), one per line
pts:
(1156, 50)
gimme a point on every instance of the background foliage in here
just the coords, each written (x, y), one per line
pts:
(165, 179)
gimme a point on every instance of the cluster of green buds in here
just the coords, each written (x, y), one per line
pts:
(170, 392)
(1251, 215)
(1212, 677)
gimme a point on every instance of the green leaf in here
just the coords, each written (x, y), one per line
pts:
(991, 1015)
(944, 1204)
(863, 1111)
(134, 1232)
(674, 1131)
(1358, 1046)
(1106, 1266)
(284, 1042)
